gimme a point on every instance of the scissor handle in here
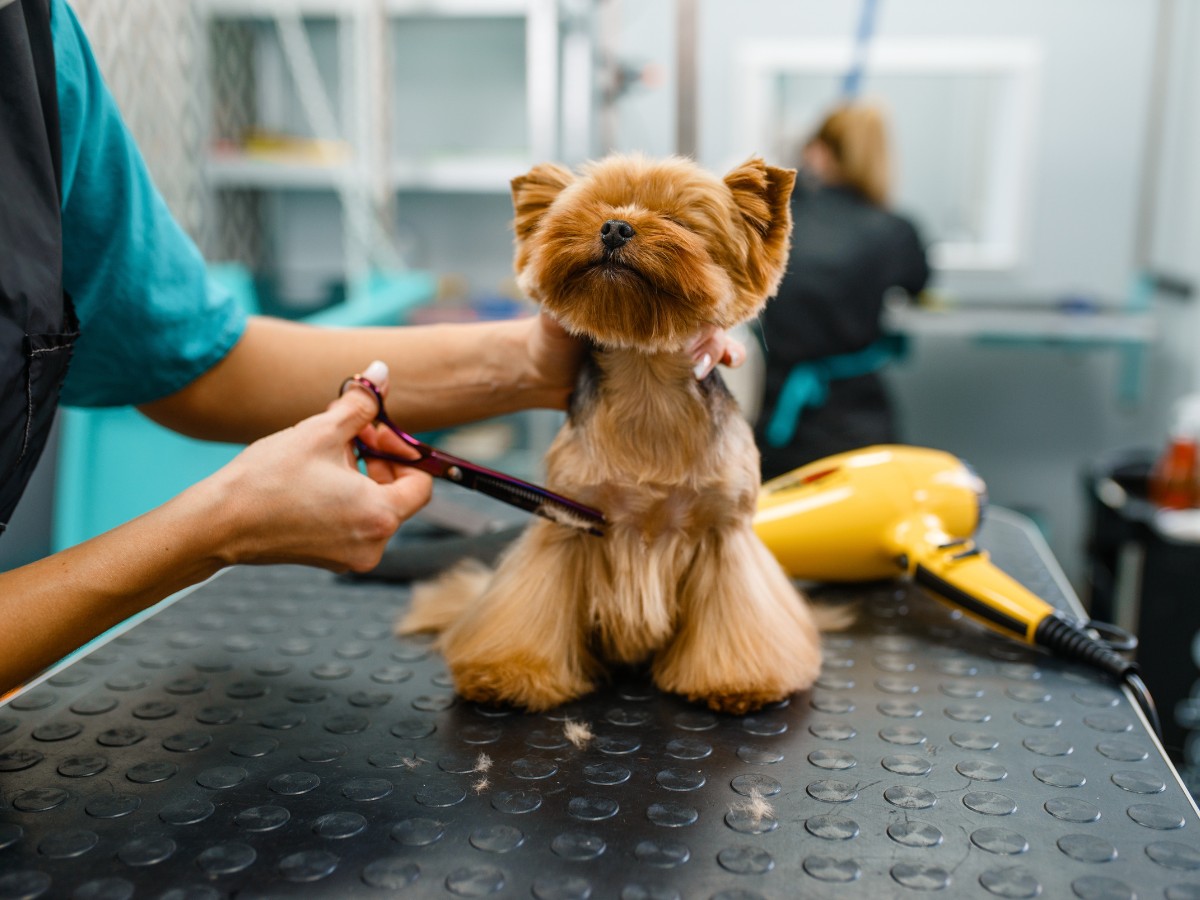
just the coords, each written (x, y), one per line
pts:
(430, 459)
(424, 463)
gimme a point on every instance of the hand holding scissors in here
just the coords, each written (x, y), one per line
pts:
(521, 494)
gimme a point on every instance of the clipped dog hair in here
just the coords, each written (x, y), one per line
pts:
(636, 256)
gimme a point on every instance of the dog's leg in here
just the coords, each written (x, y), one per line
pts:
(746, 637)
(522, 640)
(632, 604)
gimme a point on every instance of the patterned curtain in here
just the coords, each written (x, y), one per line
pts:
(164, 70)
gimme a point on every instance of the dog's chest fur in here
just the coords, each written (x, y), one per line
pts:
(656, 450)
(671, 462)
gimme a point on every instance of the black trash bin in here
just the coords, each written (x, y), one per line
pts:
(1148, 581)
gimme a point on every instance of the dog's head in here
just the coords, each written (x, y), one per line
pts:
(641, 253)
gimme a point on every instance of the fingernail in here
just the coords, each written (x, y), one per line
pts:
(734, 357)
(377, 373)
(701, 368)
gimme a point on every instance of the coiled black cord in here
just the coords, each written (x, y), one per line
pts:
(1066, 639)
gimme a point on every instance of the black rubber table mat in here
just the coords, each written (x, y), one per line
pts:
(266, 736)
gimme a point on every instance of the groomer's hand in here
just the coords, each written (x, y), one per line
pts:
(555, 356)
(713, 345)
(297, 496)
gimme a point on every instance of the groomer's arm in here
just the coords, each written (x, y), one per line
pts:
(295, 496)
(280, 372)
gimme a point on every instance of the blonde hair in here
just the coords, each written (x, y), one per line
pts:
(856, 135)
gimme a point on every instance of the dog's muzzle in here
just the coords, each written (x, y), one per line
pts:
(616, 233)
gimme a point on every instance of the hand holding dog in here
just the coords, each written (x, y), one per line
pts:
(711, 346)
(556, 355)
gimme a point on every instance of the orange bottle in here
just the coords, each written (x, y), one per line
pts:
(1175, 478)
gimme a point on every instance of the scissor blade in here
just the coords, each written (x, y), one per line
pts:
(539, 501)
(513, 491)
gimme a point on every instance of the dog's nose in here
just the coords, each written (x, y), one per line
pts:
(616, 233)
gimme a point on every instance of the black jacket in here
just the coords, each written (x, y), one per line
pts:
(37, 323)
(846, 254)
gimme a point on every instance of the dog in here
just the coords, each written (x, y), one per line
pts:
(636, 255)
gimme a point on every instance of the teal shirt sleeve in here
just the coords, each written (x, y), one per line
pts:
(151, 320)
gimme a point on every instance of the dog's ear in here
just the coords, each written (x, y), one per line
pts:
(533, 193)
(762, 194)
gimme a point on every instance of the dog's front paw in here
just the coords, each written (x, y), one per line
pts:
(531, 685)
(738, 703)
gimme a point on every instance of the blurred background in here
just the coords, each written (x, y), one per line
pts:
(348, 161)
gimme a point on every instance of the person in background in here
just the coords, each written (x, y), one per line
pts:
(104, 301)
(822, 334)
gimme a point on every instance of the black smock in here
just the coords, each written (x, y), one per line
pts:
(37, 322)
(847, 253)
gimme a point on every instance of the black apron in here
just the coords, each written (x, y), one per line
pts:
(37, 321)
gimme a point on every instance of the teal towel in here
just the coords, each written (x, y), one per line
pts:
(807, 385)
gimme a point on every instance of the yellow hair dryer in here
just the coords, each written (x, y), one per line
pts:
(893, 510)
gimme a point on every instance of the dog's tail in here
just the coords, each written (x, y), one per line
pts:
(438, 604)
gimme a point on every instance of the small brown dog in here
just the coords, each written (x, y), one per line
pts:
(637, 255)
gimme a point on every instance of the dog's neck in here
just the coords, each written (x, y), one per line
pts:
(646, 403)
(636, 370)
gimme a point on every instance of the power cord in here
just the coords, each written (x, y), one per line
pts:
(1065, 638)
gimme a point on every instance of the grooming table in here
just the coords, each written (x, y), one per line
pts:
(264, 735)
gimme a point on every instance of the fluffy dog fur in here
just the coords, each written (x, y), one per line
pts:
(679, 580)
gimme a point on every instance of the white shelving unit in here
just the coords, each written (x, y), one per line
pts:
(495, 62)
(465, 8)
(312, 63)
(467, 174)
(424, 98)
(241, 170)
(264, 9)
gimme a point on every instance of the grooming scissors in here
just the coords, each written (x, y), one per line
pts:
(514, 491)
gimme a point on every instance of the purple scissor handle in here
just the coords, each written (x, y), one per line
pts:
(514, 491)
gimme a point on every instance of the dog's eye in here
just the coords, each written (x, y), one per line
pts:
(675, 220)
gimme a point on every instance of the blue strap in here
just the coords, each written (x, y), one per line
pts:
(807, 385)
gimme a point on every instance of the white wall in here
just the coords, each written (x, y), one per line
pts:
(1176, 235)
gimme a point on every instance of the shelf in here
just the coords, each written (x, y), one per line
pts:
(1111, 330)
(267, 9)
(485, 175)
(234, 170)
(1100, 328)
(468, 174)
(478, 8)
